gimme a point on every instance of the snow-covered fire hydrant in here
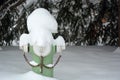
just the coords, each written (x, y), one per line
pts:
(40, 42)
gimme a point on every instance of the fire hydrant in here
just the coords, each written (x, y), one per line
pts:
(40, 43)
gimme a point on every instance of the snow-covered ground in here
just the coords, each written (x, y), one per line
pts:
(77, 63)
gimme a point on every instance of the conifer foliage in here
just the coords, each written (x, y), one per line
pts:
(81, 22)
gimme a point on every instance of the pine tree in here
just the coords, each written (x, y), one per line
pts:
(80, 21)
(108, 16)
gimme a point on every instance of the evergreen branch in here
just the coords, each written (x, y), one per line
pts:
(7, 6)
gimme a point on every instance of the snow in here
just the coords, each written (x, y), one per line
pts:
(24, 41)
(28, 76)
(38, 39)
(33, 76)
(77, 63)
(15, 42)
(106, 23)
(42, 51)
(41, 39)
(41, 18)
(0, 48)
(60, 43)
(100, 42)
(95, 1)
(117, 50)
(29, 3)
(50, 65)
(14, 25)
(40, 36)
(33, 63)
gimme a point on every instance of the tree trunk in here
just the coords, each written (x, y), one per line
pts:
(119, 22)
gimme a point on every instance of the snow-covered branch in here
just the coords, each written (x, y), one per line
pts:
(7, 6)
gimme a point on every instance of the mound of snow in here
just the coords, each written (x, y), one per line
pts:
(33, 76)
(15, 43)
(24, 39)
(41, 18)
(26, 76)
(60, 43)
(117, 50)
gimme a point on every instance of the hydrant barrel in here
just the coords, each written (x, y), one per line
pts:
(47, 60)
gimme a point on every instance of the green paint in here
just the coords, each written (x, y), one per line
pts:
(47, 60)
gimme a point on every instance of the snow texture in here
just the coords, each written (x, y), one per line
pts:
(29, 76)
(117, 50)
(41, 37)
(15, 42)
(77, 63)
(33, 63)
(100, 42)
(33, 76)
(60, 43)
(24, 41)
(41, 41)
(50, 65)
(41, 18)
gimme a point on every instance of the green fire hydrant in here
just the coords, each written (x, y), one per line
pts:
(40, 42)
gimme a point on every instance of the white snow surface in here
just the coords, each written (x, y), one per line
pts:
(41, 18)
(28, 76)
(33, 76)
(117, 50)
(77, 63)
